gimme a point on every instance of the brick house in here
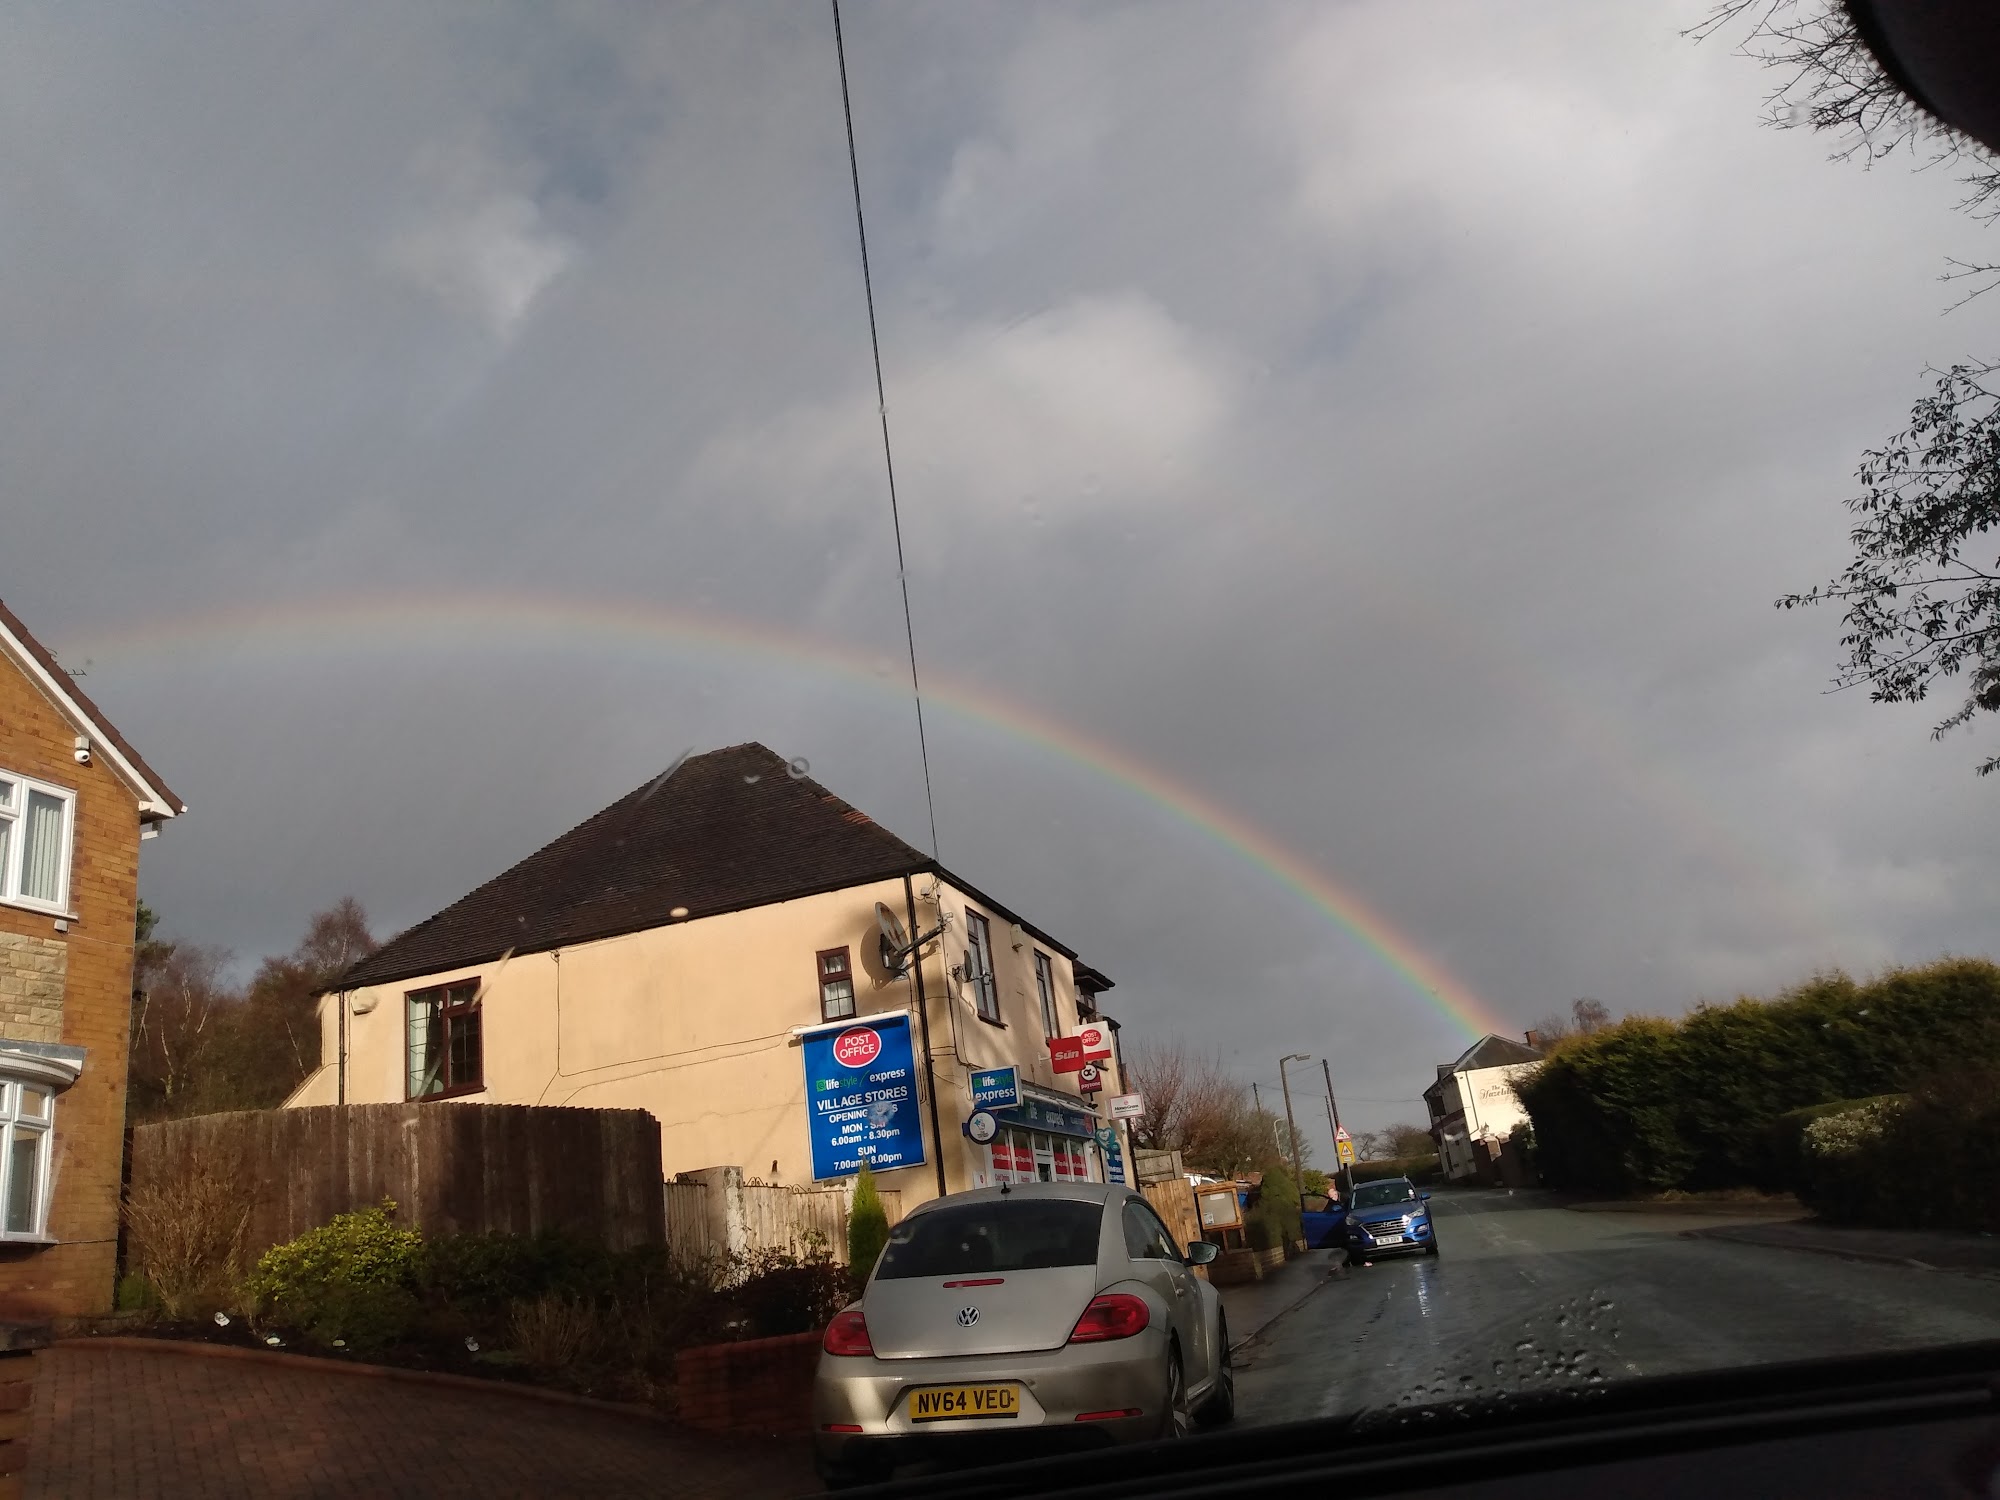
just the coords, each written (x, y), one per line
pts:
(682, 950)
(75, 800)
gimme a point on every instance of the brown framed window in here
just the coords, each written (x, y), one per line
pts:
(446, 1048)
(836, 984)
(1045, 986)
(985, 988)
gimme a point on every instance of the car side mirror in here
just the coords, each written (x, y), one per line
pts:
(1425, 1196)
(1201, 1252)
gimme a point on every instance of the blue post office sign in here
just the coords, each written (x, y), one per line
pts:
(995, 1088)
(861, 1092)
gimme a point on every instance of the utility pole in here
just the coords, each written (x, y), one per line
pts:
(1342, 1169)
(1291, 1125)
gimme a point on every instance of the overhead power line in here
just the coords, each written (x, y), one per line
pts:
(882, 407)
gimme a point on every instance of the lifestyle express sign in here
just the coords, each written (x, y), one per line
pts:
(861, 1096)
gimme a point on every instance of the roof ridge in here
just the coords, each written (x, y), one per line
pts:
(80, 703)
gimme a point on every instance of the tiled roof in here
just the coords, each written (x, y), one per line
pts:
(727, 830)
(1495, 1052)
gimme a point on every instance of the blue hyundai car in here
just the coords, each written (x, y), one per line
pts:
(1389, 1217)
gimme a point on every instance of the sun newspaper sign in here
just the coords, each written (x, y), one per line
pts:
(1091, 1044)
(861, 1094)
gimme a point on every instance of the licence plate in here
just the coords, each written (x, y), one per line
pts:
(959, 1403)
(1388, 1239)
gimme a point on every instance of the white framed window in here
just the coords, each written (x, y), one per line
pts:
(27, 1121)
(37, 830)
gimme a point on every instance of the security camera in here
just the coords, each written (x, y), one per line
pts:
(82, 751)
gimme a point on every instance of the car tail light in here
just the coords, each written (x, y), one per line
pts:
(847, 1334)
(1115, 1315)
(1108, 1416)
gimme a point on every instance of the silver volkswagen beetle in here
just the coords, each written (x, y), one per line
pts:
(1017, 1320)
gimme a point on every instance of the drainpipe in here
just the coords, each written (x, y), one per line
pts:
(341, 996)
(924, 1026)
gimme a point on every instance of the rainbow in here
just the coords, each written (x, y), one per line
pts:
(487, 618)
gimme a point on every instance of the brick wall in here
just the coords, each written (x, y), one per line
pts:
(756, 1386)
(95, 959)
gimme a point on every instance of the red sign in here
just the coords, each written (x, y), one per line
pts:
(1089, 1079)
(1068, 1054)
(857, 1047)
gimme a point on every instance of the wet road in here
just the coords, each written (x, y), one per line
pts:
(1525, 1295)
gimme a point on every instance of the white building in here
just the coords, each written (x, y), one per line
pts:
(1473, 1108)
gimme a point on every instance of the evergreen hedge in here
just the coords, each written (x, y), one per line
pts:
(1650, 1105)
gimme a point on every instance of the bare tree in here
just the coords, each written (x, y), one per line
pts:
(1921, 599)
(283, 1020)
(1830, 82)
(1589, 1015)
(1196, 1108)
(1395, 1143)
(177, 1024)
(1585, 1017)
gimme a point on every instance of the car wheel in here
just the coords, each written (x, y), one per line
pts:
(1432, 1247)
(1178, 1422)
(1220, 1406)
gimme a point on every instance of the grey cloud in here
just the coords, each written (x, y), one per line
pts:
(1389, 423)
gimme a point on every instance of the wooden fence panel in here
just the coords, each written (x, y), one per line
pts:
(1173, 1200)
(451, 1168)
(716, 1213)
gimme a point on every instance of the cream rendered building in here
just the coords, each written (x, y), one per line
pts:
(1472, 1104)
(671, 954)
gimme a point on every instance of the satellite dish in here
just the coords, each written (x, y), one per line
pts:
(895, 942)
(892, 929)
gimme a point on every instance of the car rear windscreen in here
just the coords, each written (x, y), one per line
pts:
(998, 1235)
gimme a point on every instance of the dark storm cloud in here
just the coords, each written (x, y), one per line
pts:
(1389, 422)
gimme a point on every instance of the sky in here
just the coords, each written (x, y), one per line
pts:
(1347, 455)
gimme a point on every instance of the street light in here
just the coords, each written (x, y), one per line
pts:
(1298, 1166)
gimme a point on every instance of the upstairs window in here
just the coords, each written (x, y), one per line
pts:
(447, 1053)
(985, 990)
(1045, 986)
(836, 984)
(36, 829)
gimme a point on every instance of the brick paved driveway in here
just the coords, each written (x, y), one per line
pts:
(119, 1423)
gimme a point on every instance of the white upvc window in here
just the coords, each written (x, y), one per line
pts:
(37, 830)
(27, 1121)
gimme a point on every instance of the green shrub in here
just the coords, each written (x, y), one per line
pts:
(137, 1294)
(1650, 1105)
(1273, 1219)
(354, 1279)
(784, 1294)
(485, 1274)
(1784, 1142)
(1930, 1160)
(867, 1226)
